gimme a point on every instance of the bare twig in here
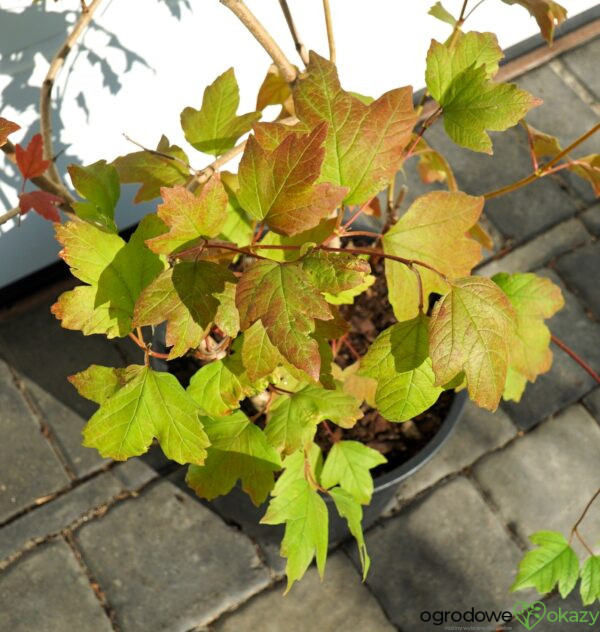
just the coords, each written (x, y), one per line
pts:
(9, 215)
(264, 38)
(46, 90)
(329, 26)
(206, 174)
(294, 33)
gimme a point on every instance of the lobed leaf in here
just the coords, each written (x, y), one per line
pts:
(98, 183)
(30, 159)
(116, 273)
(282, 297)
(335, 272)
(6, 129)
(43, 203)
(399, 360)
(215, 127)
(364, 144)
(190, 216)
(433, 231)
(471, 330)
(547, 13)
(533, 299)
(188, 297)
(553, 562)
(238, 451)
(279, 185)
(293, 419)
(348, 464)
(150, 404)
(152, 170)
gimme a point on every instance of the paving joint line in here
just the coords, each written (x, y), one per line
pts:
(96, 512)
(561, 68)
(99, 593)
(44, 427)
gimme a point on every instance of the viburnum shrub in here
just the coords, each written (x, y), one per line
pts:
(250, 272)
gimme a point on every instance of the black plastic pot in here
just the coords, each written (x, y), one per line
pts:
(237, 507)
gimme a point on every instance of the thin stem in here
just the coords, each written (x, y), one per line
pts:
(583, 542)
(545, 169)
(350, 347)
(46, 91)
(161, 154)
(420, 286)
(534, 160)
(263, 37)
(472, 10)
(9, 215)
(363, 233)
(461, 17)
(574, 529)
(329, 27)
(355, 216)
(329, 431)
(427, 123)
(300, 48)
(580, 361)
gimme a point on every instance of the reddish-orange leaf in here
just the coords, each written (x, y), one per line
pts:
(190, 216)
(30, 159)
(283, 298)
(278, 185)
(42, 203)
(6, 128)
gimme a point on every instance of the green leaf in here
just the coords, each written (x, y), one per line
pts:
(218, 387)
(364, 144)
(150, 405)
(293, 419)
(348, 464)
(237, 227)
(446, 63)
(99, 185)
(238, 450)
(306, 520)
(297, 465)
(190, 216)
(335, 272)
(554, 562)
(188, 297)
(282, 297)
(351, 510)
(116, 272)
(259, 355)
(399, 360)
(470, 331)
(438, 11)
(279, 185)
(590, 580)
(459, 80)
(216, 127)
(152, 170)
(433, 231)
(98, 383)
(547, 13)
(534, 299)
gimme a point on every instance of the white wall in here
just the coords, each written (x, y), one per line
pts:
(161, 63)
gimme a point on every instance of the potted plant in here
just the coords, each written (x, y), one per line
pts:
(316, 352)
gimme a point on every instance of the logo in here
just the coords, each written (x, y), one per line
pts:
(529, 614)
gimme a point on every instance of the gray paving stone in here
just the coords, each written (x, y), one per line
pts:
(592, 403)
(563, 113)
(237, 509)
(519, 215)
(46, 591)
(40, 349)
(544, 479)
(591, 219)
(58, 514)
(562, 238)
(30, 467)
(580, 269)
(566, 382)
(477, 432)
(447, 551)
(340, 601)
(166, 562)
(583, 62)
(66, 427)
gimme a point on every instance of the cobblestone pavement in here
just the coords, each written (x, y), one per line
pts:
(88, 545)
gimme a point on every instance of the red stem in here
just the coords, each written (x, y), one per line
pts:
(580, 361)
